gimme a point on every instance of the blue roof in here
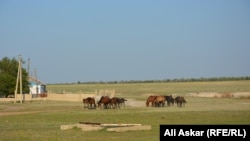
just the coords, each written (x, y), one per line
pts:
(32, 83)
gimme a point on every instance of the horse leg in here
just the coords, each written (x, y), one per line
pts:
(100, 105)
(110, 106)
(163, 103)
(118, 105)
(180, 104)
(107, 105)
(157, 104)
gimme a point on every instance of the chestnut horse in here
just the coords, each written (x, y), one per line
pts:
(159, 101)
(151, 100)
(105, 100)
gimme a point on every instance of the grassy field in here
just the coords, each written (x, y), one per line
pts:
(41, 120)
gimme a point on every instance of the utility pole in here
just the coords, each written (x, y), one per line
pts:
(28, 67)
(36, 81)
(19, 77)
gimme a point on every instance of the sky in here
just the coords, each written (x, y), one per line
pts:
(97, 40)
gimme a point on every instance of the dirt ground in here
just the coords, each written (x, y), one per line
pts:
(135, 103)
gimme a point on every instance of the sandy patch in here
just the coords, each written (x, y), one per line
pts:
(134, 103)
(220, 95)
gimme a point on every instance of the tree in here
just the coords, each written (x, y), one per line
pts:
(8, 76)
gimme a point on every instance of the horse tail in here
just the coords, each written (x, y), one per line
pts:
(147, 103)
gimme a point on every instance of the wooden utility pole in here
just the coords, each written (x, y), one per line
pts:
(19, 77)
(28, 68)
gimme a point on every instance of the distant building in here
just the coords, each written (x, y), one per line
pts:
(36, 86)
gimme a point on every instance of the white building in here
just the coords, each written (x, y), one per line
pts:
(36, 86)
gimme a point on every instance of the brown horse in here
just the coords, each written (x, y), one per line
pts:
(121, 101)
(151, 100)
(105, 100)
(114, 103)
(159, 101)
(90, 102)
(180, 101)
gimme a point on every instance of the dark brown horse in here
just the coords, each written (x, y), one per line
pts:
(114, 103)
(121, 101)
(89, 102)
(180, 101)
(151, 100)
(170, 100)
(105, 100)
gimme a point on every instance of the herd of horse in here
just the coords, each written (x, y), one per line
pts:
(106, 102)
(160, 101)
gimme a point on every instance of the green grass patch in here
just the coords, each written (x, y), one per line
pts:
(41, 120)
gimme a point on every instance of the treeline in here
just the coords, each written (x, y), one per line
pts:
(202, 79)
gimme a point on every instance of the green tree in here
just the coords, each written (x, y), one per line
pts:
(8, 76)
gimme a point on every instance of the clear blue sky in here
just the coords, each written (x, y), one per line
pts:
(111, 40)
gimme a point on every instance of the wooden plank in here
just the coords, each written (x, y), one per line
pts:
(90, 127)
(119, 124)
(130, 128)
(110, 124)
(91, 123)
(93, 126)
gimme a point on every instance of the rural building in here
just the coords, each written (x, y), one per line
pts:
(36, 87)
